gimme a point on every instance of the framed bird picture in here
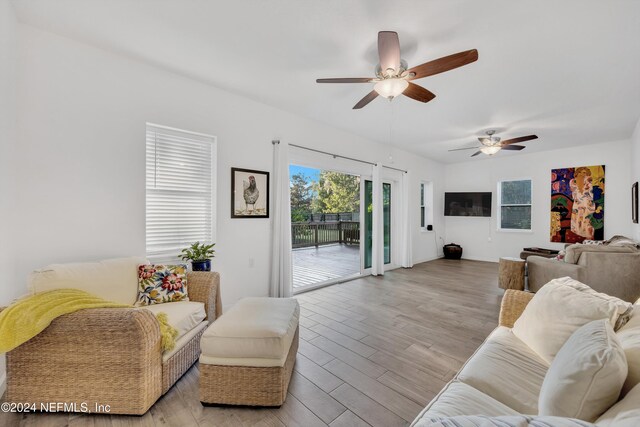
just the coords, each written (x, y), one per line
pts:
(249, 193)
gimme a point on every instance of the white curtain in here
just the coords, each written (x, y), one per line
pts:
(406, 248)
(377, 224)
(281, 273)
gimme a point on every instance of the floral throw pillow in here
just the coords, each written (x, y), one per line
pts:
(161, 283)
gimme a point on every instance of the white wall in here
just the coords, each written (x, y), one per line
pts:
(7, 143)
(82, 114)
(635, 171)
(479, 236)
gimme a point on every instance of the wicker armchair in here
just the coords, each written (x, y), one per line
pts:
(106, 357)
(512, 306)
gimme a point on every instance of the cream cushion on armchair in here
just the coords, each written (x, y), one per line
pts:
(112, 279)
(182, 315)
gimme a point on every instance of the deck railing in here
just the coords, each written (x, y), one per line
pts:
(305, 234)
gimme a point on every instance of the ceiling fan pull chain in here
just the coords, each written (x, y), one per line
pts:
(391, 115)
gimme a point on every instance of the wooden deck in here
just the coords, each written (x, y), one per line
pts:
(317, 265)
(373, 352)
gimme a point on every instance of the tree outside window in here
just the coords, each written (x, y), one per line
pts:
(514, 205)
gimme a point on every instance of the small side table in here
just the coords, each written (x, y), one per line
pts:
(511, 273)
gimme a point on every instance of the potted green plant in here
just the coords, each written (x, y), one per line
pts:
(200, 256)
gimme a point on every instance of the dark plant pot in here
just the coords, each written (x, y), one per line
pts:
(452, 251)
(201, 265)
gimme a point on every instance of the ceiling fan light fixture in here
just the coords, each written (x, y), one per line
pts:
(390, 88)
(490, 149)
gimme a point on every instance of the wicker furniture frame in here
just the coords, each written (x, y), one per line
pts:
(105, 357)
(512, 306)
(247, 385)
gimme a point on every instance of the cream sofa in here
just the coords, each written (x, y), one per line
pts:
(109, 356)
(504, 378)
(614, 270)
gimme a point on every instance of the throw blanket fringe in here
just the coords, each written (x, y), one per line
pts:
(168, 332)
(31, 315)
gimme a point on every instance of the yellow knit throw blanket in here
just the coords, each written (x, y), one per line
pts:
(31, 315)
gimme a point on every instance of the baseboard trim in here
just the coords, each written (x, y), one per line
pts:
(420, 261)
(473, 258)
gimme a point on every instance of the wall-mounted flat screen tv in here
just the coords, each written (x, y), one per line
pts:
(467, 204)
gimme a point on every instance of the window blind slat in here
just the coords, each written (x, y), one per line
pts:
(179, 175)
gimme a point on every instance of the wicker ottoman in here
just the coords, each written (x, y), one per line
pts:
(249, 352)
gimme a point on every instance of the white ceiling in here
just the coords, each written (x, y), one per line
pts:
(567, 70)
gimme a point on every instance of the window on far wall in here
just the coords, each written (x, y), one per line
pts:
(426, 204)
(514, 205)
(180, 191)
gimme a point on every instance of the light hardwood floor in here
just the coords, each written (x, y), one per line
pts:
(373, 351)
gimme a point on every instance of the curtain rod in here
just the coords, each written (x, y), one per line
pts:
(277, 141)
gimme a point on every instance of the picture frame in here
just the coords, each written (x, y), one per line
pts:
(249, 193)
(634, 202)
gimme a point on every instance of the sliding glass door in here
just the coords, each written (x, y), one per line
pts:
(325, 226)
(368, 222)
(386, 219)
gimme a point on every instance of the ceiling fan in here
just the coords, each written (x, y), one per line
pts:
(490, 144)
(393, 77)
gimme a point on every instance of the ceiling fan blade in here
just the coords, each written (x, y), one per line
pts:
(476, 153)
(513, 147)
(443, 64)
(521, 139)
(345, 80)
(460, 149)
(418, 93)
(367, 99)
(389, 50)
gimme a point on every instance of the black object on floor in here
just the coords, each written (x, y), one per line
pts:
(452, 251)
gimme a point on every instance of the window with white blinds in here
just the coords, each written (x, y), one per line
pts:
(180, 187)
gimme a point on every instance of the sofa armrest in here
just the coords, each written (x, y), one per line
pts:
(541, 271)
(107, 356)
(204, 286)
(512, 306)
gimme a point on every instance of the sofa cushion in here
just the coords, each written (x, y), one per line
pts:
(161, 283)
(586, 375)
(458, 398)
(558, 309)
(254, 332)
(506, 369)
(573, 253)
(182, 315)
(625, 413)
(623, 241)
(629, 336)
(504, 421)
(112, 279)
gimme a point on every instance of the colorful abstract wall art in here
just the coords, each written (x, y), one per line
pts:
(577, 204)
